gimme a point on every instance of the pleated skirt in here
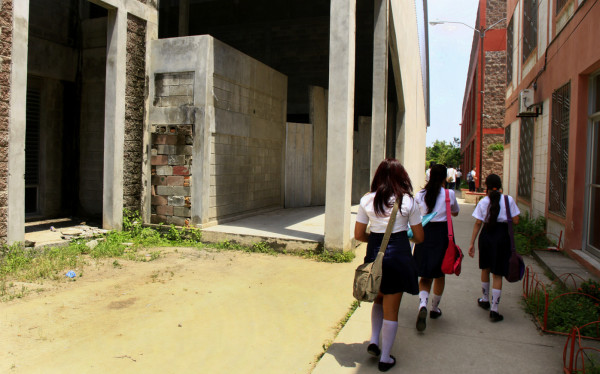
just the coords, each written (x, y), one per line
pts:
(430, 254)
(494, 248)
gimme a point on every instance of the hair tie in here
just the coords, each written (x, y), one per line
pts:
(494, 189)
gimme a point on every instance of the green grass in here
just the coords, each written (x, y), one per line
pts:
(530, 234)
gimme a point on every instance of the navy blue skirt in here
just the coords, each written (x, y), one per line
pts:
(494, 248)
(399, 266)
(429, 255)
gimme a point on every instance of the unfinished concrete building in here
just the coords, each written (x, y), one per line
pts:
(196, 112)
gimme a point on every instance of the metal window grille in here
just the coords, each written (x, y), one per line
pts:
(507, 135)
(526, 158)
(32, 137)
(509, 51)
(560, 4)
(559, 150)
(529, 27)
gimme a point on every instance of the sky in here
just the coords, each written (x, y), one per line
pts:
(449, 52)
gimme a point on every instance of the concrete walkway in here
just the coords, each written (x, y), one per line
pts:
(463, 340)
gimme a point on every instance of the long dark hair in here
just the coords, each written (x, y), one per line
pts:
(390, 179)
(437, 177)
(493, 185)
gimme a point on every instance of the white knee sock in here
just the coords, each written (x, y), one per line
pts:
(495, 299)
(485, 289)
(388, 335)
(423, 298)
(435, 302)
(376, 322)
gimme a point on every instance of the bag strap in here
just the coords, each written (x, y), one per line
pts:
(511, 232)
(448, 217)
(388, 229)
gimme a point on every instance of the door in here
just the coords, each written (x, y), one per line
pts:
(593, 185)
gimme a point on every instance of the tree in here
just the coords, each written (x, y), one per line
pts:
(443, 152)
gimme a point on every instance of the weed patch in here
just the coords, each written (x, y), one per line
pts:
(530, 234)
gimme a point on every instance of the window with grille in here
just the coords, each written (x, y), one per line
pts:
(560, 4)
(509, 52)
(526, 158)
(507, 135)
(559, 150)
(32, 150)
(529, 27)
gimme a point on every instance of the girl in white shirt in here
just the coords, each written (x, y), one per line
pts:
(390, 182)
(494, 242)
(430, 254)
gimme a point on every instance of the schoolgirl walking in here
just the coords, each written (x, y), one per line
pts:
(430, 253)
(494, 242)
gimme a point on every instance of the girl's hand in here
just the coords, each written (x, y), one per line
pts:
(472, 250)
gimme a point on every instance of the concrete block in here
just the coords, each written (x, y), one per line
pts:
(180, 190)
(164, 210)
(176, 160)
(156, 219)
(164, 149)
(164, 139)
(164, 190)
(176, 200)
(182, 212)
(178, 221)
(175, 181)
(159, 200)
(179, 170)
(182, 90)
(184, 150)
(164, 170)
(159, 160)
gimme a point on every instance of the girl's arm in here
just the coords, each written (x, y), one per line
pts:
(476, 229)
(360, 232)
(515, 220)
(418, 233)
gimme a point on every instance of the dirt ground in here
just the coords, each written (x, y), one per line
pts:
(190, 311)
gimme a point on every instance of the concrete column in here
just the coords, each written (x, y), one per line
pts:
(114, 120)
(380, 84)
(342, 48)
(17, 123)
(184, 17)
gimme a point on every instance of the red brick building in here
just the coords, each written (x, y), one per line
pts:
(552, 123)
(482, 132)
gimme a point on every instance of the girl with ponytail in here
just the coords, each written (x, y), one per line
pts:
(430, 254)
(399, 271)
(494, 242)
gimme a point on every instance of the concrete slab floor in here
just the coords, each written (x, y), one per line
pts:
(41, 233)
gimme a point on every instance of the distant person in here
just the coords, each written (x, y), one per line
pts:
(494, 242)
(430, 254)
(458, 177)
(471, 179)
(428, 172)
(451, 177)
(390, 183)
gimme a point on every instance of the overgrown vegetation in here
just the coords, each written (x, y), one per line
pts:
(19, 263)
(442, 152)
(530, 234)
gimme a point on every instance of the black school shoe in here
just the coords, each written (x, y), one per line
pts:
(496, 317)
(421, 319)
(434, 314)
(373, 350)
(483, 304)
(384, 366)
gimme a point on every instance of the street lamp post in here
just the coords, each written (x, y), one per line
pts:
(481, 33)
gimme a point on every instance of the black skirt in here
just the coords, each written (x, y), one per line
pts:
(399, 266)
(430, 254)
(494, 248)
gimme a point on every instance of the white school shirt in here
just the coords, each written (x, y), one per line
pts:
(408, 214)
(481, 210)
(440, 205)
(451, 175)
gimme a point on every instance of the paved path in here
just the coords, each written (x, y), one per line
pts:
(463, 340)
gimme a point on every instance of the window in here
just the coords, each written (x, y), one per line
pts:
(507, 135)
(526, 158)
(529, 27)
(560, 4)
(509, 52)
(559, 150)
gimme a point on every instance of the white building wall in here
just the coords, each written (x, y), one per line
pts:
(513, 171)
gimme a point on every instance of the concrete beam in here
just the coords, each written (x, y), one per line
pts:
(114, 120)
(17, 123)
(342, 64)
(380, 84)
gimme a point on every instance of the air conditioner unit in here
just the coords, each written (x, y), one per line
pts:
(526, 105)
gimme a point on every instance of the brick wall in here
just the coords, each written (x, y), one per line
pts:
(493, 161)
(134, 112)
(495, 11)
(5, 69)
(495, 87)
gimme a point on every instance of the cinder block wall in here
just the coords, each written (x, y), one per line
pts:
(246, 171)
(134, 113)
(6, 19)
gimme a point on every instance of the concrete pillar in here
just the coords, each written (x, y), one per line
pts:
(342, 48)
(17, 123)
(184, 17)
(380, 84)
(114, 119)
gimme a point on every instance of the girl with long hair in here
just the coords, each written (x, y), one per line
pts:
(430, 254)
(494, 242)
(390, 183)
